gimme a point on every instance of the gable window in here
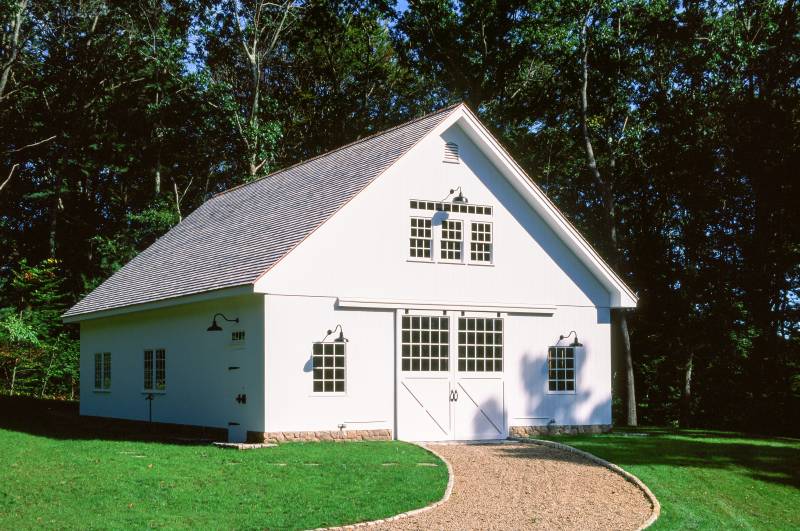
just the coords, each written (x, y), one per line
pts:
(425, 341)
(328, 360)
(102, 371)
(452, 239)
(481, 242)
(480, 344)
(421, 238)
(155, 370)
(561, 369)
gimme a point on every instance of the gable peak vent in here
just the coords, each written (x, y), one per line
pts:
(451, 153)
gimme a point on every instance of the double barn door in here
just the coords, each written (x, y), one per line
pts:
(450, 377)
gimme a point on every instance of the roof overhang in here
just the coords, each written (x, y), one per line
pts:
(622, 296)
(163, 303)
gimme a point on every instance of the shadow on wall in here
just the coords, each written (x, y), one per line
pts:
(583, 407)
(61, 420)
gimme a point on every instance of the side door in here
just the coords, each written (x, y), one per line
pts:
(235, 391)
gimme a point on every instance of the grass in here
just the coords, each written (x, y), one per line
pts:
(706, 479)
(95, 483)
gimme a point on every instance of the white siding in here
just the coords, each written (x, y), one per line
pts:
(293, 325)
(196, 364)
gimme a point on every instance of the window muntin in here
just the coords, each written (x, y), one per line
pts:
(441, 206)
(102, 371)
(480, 344)
(421, 238)
(452, 239)
(481, 242)
(328, 360)
(425, 343)
(561, 369)
(155, 370)
(148, 369)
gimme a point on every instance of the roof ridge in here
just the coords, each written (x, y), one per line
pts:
(350, 144)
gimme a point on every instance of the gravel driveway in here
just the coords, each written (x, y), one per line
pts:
(524, 486)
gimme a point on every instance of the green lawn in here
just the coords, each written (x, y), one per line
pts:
(73, 483)
(708, 480)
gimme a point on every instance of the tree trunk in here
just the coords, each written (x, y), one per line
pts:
(686, 397)
(13, 377)
(607, 191)
(14, 46)
(55, 209)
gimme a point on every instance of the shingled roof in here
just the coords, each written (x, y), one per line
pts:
(236, 236)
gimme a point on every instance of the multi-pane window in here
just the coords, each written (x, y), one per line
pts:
(237, 336)
(481, 242)
(328, 363)
(480, 344)
(561, 369)
(155, 370)
(421, 238)
(452, 238)
(102, 371)
(425, 341)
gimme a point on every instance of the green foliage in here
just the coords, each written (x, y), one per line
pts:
(70, 483)
(120, 118)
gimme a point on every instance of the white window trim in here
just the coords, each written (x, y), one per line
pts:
(324, 393)
(431, 245)
(154, 391)
(102, 372)
(574, 371)
(476, 373)
(440, 240)
(469, 259)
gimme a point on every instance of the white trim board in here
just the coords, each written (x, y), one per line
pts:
(395, 304)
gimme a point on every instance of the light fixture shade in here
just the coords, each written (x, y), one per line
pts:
(341, 338)
(460, 198)
(214, 327)
(576, 343)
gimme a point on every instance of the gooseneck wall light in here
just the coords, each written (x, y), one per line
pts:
(460, 198)
(575, 343)
(340, 339)
(215, 327)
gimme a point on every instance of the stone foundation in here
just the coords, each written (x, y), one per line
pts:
(316, 436)
(556, 429)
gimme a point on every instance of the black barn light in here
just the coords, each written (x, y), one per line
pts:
(341, 338)
(215, 327)
(460, 198)
(575, 343)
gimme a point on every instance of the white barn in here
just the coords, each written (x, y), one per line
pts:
(444, 274)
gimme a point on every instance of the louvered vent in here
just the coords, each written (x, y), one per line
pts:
(451, 152)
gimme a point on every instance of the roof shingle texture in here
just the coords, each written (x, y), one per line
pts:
(236, 236)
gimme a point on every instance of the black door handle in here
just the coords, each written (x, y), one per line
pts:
(456, 392)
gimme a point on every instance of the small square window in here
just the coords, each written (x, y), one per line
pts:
(328, 362)
(561, 369)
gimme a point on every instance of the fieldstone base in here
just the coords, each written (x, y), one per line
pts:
(316, 436)
(556, 429)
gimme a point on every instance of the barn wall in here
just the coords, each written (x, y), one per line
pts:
(199, 386)
(293, 325)
(362, 251)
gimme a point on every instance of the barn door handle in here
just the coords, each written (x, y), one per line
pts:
(456, 392)
(452, 396)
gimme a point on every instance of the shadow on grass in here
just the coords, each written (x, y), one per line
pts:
(769, 460)
(59, 419)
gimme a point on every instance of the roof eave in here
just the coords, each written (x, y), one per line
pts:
(168, 302)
